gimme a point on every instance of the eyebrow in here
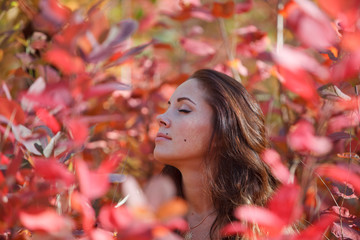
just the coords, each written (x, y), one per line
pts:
(184, 98)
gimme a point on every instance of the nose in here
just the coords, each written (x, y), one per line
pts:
(163, 120)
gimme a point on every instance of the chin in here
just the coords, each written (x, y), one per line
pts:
(162, 157)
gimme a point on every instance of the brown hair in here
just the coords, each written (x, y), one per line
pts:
(236, 173)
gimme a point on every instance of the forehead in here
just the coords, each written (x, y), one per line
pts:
(190, 88)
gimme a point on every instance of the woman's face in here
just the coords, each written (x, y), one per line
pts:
(185, 128)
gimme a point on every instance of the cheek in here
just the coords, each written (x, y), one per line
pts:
(197, 135)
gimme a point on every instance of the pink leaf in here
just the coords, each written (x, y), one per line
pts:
(295, 59)
(266, 219)
(341, 122)
(118, 219)
(302, 139)
(106, 88)
(197, 47)
(92, 183)
(100, 234)
(310, 24)
(347, 68)
(345, 191)
(272, 158)
(244, 6)
(46, 220)
(159, 190)
(83, 205)
(53, 171)
(345, 231)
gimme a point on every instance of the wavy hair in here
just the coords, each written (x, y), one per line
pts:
(234, 170)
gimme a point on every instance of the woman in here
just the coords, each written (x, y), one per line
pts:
(210, 139)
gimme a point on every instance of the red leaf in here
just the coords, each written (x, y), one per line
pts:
(316, 231)
(48, 119)
(65, 62)
(299, 82)
(234, 228)
(11, 109)
(78, 130)
(345, 11)
(55, 12)
(112, 162)
(266, 219)
(223, 10)
(284, 203)
(53, 171)
(93, 184)
(66, 38)
(82, 204)
(302, 139)
(250, 34)
(272, 158)
(46, 220)
(339, 174)
(311, 25)
(197, 47)
(4, 160)
(120, 57)
(350, 41)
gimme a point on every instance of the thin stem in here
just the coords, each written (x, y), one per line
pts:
(228, 48)
(279, 27)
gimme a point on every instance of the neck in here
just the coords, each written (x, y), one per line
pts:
(195, 191)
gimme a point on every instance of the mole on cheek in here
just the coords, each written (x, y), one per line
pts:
(184, 140)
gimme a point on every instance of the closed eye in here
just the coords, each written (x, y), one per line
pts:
(184, 111)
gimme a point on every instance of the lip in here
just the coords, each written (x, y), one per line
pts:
(161, 136)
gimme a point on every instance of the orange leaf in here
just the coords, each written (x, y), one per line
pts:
(173, 208)
(65, 62)
(9, 107)
(223, 10)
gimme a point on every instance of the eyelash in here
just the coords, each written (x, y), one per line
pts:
(184, 111)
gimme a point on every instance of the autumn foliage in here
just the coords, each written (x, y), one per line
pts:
(82, 83)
